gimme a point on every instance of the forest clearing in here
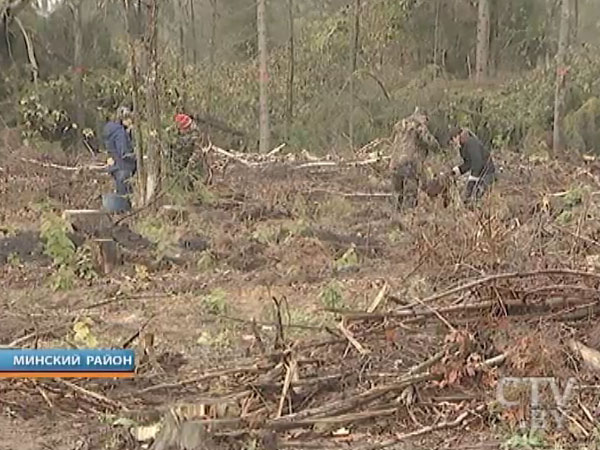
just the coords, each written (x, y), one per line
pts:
(275, 295)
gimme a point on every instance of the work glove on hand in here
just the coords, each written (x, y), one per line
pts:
(110, 162)
(456, 171)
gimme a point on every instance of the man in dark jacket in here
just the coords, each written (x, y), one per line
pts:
(477, 160)
(118, 143)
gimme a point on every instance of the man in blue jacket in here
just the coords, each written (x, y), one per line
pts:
(118, 143)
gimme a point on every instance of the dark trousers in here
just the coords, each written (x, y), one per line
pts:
(475, 189)
(122, 181)
(405, 182)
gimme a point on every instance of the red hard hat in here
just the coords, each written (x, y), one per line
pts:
(183, 121)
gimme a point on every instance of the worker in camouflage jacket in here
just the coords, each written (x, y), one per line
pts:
(477, 160)
(187, 156)
(412, 144)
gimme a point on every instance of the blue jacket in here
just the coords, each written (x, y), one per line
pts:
(117, 142)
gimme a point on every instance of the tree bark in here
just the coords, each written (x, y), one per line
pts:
(211, 55)
(194, 39)
(353, 67)
(561, 77)
(483, 41)
(181, 57)
(574, 23)
(154, 164)
(78, 63)
(290, 82)
(132, 25)
(436, 33)
(264, 126)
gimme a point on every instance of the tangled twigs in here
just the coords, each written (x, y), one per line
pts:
(425, 430)
(209, 376)
(342, 406)
(496, 277)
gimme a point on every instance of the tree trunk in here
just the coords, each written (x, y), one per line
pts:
(132, 25)
(154, 164)
(211, 55)
(561, 77)
(483, 41)
(574, 24)
(181, 59)
(436, 33)
(78, 63)
(353, 67)
(194, 39)
(181, 62)
(139, 141)
(290, 83)
(264, 126)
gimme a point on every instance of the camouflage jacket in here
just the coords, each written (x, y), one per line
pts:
(184, 148)
(412, 141)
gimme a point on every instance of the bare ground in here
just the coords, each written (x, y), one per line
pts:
(189, 293)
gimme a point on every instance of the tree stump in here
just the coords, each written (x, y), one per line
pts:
(89, 221)
(107, 255)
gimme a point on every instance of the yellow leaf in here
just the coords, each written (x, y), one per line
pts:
(83, 333)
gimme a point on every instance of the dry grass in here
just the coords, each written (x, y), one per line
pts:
(273, 235)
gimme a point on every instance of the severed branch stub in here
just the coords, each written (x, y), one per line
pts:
(352, 339)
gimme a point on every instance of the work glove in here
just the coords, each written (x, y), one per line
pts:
(110, 161)
(456, 171)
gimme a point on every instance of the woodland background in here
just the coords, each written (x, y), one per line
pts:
(340, 72)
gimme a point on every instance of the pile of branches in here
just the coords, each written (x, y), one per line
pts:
(299, 160)
(401, 368)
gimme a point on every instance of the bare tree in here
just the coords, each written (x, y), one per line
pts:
(264, 126)
(144, 73)
(483, 41)
(353, 67)
(132, 23)
(436, 32)
(193, 26)
(155, 160)
(561, 77)
(290, 81)
(75, 6)
(181, 57)
(211, 56)
(574, 23)
(9, 10)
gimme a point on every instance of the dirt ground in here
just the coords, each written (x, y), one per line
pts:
(201, 290)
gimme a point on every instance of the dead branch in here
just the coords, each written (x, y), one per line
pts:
(208, 376)
(425, 430)
(589, 355)
(501, 276)
(342, 406)
(352, 339)
(353, 194)
(290, 374)
(60, 167)
(381, 295)
(98, 397)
